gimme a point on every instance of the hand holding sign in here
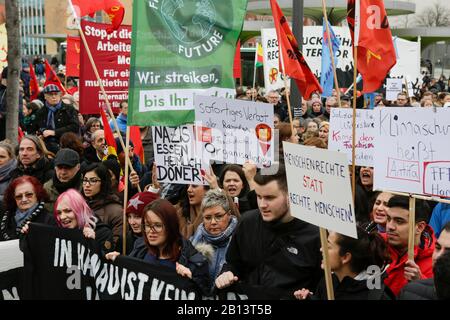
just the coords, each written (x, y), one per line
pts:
(210, 178)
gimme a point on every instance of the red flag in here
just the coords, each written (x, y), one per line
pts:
(109, 137)
(34, 84)
(370, 32)
(73, 57)
(135, 137)
(113, 8)
(294, 63)
(52, 78)
(237, 61)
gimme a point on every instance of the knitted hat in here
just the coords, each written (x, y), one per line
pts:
(138, 202)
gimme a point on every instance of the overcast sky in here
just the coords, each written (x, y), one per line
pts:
(420, 6)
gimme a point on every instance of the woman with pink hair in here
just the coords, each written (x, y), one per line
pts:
(71, 211)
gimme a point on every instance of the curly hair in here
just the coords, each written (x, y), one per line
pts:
(9, 195)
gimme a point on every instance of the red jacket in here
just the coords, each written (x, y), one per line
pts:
(422, 257)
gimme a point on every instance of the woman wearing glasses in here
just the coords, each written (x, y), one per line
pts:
(163, 245)
(101, 198)
(24, 202)
(213, 236)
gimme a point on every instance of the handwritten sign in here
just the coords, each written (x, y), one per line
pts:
(393, 88)
(340, 137)
(234, 131)
(413, 154)
(174, 149)
(319, 188)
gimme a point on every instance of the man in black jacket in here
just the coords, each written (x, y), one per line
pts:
(271, 249)
(425, 289)
(55, 118)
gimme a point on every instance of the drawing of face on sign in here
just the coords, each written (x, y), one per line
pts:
(264, 135)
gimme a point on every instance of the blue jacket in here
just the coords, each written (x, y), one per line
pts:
(121, 122)
(440, 216)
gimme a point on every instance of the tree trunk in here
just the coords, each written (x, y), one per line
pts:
(14, 65)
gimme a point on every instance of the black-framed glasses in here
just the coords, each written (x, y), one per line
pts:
(217, 217)
(91, 181)
(155, 227)
(27, 195)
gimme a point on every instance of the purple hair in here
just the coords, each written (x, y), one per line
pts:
(83, 213)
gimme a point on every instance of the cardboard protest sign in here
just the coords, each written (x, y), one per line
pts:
(11, 263)
(111, 53)
(319, 188)
(273, 78)
(340, 135)
(234, 131)
(393, 88)
(175, 158)
(414, 153)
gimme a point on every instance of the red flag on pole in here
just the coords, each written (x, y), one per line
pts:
(109, 137)
(237, 61)
(135, 137)
(369, 28)
(294, 63)
(34, 84)
(113, 8)
(52, 78)
(73, 57)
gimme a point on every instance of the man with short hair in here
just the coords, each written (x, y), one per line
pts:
(330, 102)
(401, 270)
(271, 249)
(273, 97)
(424, 289)
(402, 100)
(97, 150)
(121, 119)
(55, 118)
(67, 175)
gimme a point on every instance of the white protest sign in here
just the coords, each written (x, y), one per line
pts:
(408, 61)
(340, 135)
(412, 153)
(10, 255)
(174, 149)
(273, 79)
(393, 87)
(319, 188)
(234, 131)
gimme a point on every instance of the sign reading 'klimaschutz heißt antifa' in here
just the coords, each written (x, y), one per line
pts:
(111, 53)
(181, 48)
(62, 264)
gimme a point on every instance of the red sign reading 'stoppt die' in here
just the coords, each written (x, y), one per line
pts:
(111, 53)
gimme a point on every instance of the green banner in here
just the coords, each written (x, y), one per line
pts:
(181, 48)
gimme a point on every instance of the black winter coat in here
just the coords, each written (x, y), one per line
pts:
(189, 258)
(104, 237)
(42, 170)
(280, 257)
(419, 290)
(9, 230)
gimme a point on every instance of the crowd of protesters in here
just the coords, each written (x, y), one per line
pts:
(239, 227)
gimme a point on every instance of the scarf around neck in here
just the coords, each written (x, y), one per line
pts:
(20, 216)
(7, 168)
(51, 114)
(74, 183)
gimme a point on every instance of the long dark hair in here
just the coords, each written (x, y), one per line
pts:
(168, 215)
(102, 172)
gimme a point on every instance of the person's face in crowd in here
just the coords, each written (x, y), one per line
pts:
(335, 260)
(99, 142)
(4, 157)
(114, 182)
(380, 208)
(397, 227)
(331, 103)
(304, 107)
(298, 129)
(124, 109)
(345, 104)
(65, 215)
(442, 244)
(95, 126)
(28, 153)
(25, 111)
(135, 222)
(316, 107)
(312, 126)
(323, 133)
(334, 93)
(66, 173)
(195, 194)
(232, 183)
(378, 98)
(272, 201)
(80, 119)
(53, 98)
(154, 230)
(402, 100)
(91, 184)
(366, 176)
(276, 121)
(216, 220)
(428, 103)
(446, 99)
(273, 98)
(25, 196)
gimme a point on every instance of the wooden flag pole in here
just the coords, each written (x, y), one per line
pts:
(286, 90)
(326, 264)
(412, 227)
(102, 89)
(125, 194)
(254, 73)
(330, 47)
(355, 71)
